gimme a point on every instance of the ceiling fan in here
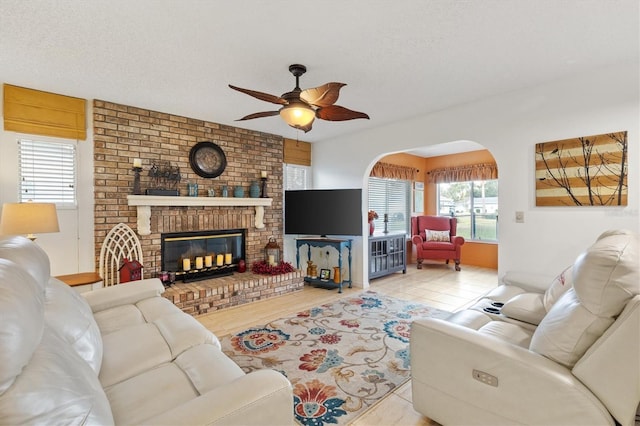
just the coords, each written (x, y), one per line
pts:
(301, 107)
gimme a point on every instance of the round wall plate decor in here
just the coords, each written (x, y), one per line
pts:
(207, 159)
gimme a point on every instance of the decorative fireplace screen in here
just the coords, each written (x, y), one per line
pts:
(202, 254)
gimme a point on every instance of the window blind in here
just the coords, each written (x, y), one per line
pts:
(297, 177)
(391, 197)
(47, 172)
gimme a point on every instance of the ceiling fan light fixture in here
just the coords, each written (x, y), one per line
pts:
(301, 107)
(297, 114)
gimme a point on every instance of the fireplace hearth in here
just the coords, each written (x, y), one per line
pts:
(200, 255)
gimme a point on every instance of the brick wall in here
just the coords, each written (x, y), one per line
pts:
(201, 297)
(122, 133)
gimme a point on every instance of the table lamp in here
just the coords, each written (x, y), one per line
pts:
(28, 218)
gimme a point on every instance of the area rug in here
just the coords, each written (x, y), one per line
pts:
(341, 358)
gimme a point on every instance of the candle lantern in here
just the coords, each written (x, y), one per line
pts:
(272, 252)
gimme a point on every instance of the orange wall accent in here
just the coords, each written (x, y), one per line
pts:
(484, 255)
(407, 160)
(480, 254)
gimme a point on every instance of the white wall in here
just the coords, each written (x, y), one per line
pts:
(71, 249)
(509, 126)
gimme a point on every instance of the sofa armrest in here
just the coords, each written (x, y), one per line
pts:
(263, 397)
(531, 389)
(123, 294)
(417, 240)
(528, 281)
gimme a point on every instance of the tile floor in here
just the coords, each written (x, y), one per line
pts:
(437, 285)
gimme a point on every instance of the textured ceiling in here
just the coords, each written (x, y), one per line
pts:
(399, 59)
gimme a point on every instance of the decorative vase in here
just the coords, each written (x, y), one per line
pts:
(225, 191)
(372, 227)
(254, 190)
(242, 265)
(238, 192)
(336, 275)
(192, 189)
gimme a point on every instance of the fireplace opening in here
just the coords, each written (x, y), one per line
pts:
(200, 255)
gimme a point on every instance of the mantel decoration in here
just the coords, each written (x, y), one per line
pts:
(207, 159)
(137, 168)
(583, 171)
(164, 179)
(263, 187)
(372, 215)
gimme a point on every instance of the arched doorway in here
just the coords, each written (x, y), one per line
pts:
(476, 209)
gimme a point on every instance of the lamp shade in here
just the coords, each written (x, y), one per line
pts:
(28, 218)
(297, 113)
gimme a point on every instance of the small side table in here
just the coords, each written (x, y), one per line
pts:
(82, 281)
(339, 245)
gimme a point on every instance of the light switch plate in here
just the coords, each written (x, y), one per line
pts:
(519, 217)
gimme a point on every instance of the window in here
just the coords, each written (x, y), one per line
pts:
(393, 198)
(47, 172)
(297, 177)
(475, 204)
(418, 197)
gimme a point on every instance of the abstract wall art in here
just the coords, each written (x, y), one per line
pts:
(583, 171)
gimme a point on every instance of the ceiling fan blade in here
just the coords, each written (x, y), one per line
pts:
(322, 96)
(260, 95)
(338, 113)
(259, 115)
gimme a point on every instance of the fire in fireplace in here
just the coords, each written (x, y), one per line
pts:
(201, 255)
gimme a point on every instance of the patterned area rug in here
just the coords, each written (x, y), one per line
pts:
(341, 357)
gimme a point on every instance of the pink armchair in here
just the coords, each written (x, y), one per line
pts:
(435, 238)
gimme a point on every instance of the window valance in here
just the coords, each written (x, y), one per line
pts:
(465, 173)
(393, 171)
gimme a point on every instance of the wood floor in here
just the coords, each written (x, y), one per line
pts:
(437, 285)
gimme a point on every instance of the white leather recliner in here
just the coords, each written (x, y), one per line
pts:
(530, 353)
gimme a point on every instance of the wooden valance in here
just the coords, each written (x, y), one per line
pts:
(465, 173)
(393, 171)
(43, 113)
(297, 152)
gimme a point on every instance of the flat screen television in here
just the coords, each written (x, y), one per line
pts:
(323, 212)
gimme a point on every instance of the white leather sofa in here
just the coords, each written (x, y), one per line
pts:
(120, 355)
(564, 351)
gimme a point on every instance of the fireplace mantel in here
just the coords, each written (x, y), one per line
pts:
(145, 202)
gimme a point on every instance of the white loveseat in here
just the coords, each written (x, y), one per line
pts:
(118, 355)
(564, 351)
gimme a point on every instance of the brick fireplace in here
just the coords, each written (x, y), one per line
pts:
(122, 133)
(199, 255)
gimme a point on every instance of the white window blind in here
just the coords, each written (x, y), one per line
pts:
(391, 197)
(297, 177)
(47, 172)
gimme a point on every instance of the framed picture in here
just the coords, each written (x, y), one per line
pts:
(325, 274)
(584, 171)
